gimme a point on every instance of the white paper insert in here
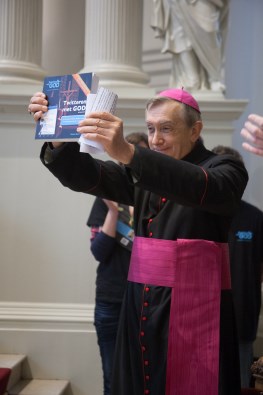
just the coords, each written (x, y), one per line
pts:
(103, 100)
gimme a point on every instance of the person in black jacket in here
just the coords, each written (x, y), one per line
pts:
(111, 243)
(246, 261)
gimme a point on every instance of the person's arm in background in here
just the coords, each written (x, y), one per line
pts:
(253, 134)
(110, 223)
(103, 241)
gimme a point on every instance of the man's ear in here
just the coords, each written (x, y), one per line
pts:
(196, 130)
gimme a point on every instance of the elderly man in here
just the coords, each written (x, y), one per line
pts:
(177, 331)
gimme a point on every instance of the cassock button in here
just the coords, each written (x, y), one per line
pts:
(147, 377)
(147, 289)
(147, 391)
(150, 220)
(146, 304)
(150, 234)
(143, 348)
(142, 333)
(144, 318)
(163, 200)
(146, 363)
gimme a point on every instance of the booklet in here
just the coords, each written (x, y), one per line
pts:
(103, 100)
(70, 97)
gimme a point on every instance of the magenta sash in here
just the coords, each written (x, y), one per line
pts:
(196, 270)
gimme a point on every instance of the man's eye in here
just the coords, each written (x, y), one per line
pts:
(166, 129)
(150, 130)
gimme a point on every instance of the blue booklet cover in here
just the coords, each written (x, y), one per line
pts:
(67, 97)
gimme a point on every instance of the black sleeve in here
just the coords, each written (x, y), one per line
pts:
(80, 172)
(216, 185)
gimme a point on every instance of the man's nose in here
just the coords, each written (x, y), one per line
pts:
(157, 137)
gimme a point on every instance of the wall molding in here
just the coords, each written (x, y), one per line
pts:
(66, 317)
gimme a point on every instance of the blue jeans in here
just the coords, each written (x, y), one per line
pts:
(106, 321)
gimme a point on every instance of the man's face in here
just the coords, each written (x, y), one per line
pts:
(167, 131)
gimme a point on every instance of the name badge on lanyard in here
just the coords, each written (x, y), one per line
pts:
(124, 235)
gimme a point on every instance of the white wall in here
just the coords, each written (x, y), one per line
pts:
(44, 238)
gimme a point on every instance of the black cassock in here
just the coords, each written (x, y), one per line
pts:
(191, 199)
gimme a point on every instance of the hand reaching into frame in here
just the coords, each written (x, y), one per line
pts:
(253, 134)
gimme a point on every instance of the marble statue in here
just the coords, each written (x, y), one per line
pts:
(194, 32)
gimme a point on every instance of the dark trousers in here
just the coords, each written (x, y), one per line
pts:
(246, 360)
(106, 324)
